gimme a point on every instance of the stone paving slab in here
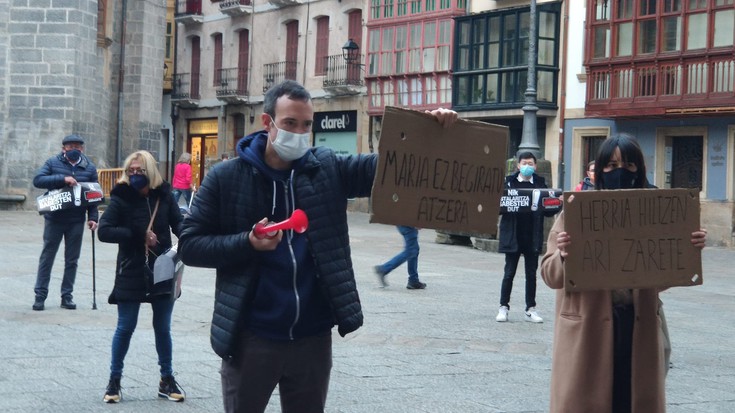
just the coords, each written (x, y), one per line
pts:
(430, 351)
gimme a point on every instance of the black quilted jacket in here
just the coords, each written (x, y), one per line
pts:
(235, 195)
(125, 223)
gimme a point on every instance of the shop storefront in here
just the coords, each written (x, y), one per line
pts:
(336, 130)
(202, 144)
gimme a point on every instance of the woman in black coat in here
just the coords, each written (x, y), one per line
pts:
(141, 215)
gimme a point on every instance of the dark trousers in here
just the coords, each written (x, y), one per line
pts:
(530, 260)
(53, 232)
(300, 368)
(623, 323)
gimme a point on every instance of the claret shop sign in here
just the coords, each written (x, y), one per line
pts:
(341, 121)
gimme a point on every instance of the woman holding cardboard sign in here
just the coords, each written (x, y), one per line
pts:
(608, 345)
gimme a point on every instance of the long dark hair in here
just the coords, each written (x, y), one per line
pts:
(630, 152)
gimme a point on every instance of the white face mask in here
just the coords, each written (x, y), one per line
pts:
(290, 146)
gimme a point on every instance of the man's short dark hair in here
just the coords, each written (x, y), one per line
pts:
(526, 155)
(290, 88)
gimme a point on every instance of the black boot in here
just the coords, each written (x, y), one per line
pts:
(38, 304)
(68, 303)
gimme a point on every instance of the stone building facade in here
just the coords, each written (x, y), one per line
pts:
(61, 73)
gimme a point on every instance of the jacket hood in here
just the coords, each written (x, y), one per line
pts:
(251, 149)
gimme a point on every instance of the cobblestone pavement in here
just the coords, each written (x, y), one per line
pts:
(435, 350)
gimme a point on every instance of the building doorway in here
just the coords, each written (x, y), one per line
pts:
(203, 156)
(202, 145)
(684, 161)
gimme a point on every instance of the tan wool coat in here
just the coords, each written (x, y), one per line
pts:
(582, 361)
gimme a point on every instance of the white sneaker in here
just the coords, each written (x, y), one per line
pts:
(532, 316)
(502, 314)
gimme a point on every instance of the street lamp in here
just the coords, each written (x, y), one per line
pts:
(351, 51)
(529, 138)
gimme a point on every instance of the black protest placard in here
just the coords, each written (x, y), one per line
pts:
(632, 239)
(530, 200)
(442, 178)
(80, 195)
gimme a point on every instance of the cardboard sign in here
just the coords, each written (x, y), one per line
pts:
(80, 195)
(530, 200)
(442, 178)
(639, 238)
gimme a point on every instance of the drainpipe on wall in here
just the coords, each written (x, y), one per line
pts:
(120, 86)
(563, 99)
(306, 40)
(174, 111)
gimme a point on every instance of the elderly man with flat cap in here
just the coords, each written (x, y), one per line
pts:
(64, 169)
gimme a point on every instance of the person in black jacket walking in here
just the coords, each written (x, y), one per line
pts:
(277, 297)
(141, 215)
(522, 233)
(65, 169)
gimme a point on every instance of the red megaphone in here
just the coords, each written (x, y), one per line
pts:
(298, 222)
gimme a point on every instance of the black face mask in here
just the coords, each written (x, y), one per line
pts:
(138, 181)
(73, 155)
(620, 178)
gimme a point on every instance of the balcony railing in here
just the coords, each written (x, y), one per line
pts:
(275, 73)
(232, 84)
(189, 12)
(698, 85)
(284, 3)
(342, 78)
(186, 89)
(236, 8)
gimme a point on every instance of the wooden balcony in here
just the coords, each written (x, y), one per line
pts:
(189, 12)
(342, 78)
(232, 85)
(701, 85)
(185, 92)
(275, 73)
(235, 8)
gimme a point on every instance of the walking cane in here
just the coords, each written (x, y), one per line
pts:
(94, 277)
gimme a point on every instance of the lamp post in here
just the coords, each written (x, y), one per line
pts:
(529, 139)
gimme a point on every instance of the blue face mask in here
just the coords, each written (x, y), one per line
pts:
(138, 182)
(73, 155)
(527, 170)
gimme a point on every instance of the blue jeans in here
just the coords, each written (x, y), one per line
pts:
(127, 319)
(53, 232)
(409, 255)
(187, 195)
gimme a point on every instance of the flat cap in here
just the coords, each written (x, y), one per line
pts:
(72, 139)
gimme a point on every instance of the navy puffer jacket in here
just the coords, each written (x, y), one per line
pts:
(236, 194)
(51, 176)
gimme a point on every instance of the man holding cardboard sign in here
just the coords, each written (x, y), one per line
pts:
(608, 345)
(279, 295)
